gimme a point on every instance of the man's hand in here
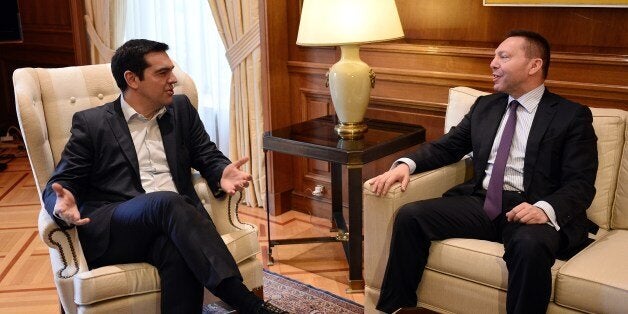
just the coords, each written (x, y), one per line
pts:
(65, 206)
(233, 179)
(382, 183)
(527, 214)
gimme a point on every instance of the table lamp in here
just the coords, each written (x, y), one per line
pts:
(349, 23)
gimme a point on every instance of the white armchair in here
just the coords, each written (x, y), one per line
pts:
(470, 276)
(46, 99)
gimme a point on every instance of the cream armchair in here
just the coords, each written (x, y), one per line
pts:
(46, 100)
(469, 276)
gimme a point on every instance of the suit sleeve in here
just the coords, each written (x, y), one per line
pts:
(205, 156)
(73, 169)
(578, 170)
(448, 149)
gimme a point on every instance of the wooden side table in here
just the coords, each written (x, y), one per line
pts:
(317, 139)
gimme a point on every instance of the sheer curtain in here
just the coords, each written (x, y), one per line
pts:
(195, 45)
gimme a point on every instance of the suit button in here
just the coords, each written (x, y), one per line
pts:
(100, 96)
(72, 99)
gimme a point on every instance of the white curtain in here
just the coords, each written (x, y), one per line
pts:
(104, 22)
(239, 28)
(195, 45)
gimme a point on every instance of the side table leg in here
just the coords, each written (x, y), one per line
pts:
(336, 195)
(271, 260)
(356, 281)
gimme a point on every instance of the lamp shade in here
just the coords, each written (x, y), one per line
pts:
(346, 22)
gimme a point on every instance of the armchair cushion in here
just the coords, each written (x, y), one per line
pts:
(596, 280)
(110, 282)
(609, 127)
(473, 260)
(242, 244)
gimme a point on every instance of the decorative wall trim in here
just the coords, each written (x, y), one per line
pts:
(385, 103)
(615, 93)
(465, 51)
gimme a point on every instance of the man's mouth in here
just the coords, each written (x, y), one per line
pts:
(496, 77)
(170, 92)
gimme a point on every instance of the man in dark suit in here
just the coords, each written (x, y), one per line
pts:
(535, 163)
(124, 181)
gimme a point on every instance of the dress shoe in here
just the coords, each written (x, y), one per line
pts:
(268, 308)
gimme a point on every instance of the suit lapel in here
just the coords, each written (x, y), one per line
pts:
(169, 138)
(120, 130)
(544, 115)
(489, 129)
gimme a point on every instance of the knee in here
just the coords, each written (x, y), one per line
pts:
(170, 203)
(165, 197)
(528, 247)
(408, 215)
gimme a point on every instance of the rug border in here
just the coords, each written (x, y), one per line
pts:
(312, 287)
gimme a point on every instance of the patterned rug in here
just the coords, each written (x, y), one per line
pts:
(296, 297)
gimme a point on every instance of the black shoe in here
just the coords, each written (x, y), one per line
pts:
(268, 308)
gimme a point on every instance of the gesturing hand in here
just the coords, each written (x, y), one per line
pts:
(233, 179)
(65, 206)
(382, 183)
(527, 214)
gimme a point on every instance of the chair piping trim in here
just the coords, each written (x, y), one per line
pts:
(237, 216)
(61, 253)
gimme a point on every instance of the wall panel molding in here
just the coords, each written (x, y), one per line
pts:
(446, 44)
(597, 94)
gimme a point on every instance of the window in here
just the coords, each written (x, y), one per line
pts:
(195, 45)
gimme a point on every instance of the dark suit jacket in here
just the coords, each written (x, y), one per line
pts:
(560, 161)
(100, 167)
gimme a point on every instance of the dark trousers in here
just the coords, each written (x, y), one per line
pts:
(168, 231)
(530, 250)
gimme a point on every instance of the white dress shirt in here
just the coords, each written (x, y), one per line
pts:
(513, 175)
(149, 147)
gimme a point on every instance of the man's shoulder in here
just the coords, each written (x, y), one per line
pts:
(181, 99)
(487, 102)
(97, 112)
(492, 97)
(181, 103)
(563, 103)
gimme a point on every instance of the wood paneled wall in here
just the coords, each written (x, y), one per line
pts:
(53, 36)
(447, 43)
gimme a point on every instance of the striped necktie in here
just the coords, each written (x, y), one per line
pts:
(493, 201)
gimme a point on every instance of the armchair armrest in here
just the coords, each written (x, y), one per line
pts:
(224, 210)
(379, 212)
(66, 257)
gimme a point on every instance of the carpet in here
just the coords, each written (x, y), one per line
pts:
(296, 297)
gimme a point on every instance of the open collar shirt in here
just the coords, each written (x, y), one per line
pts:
(149, 147)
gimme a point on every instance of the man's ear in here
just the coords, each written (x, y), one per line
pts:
(536, 66)
(131, 79)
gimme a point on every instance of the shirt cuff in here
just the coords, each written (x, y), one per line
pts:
(549, 211)
(406, 161)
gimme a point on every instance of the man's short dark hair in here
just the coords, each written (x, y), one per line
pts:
(130, 57)
(538, 47)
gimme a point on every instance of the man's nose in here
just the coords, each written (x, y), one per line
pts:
(494, 64)
(172, 79)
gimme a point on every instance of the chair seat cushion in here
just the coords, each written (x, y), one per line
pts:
(596, 279)
(110, 282)
(242, 244)
(478, 261)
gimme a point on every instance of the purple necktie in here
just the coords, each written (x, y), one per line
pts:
(493, 201)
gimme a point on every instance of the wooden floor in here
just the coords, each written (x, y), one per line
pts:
(26, 284)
